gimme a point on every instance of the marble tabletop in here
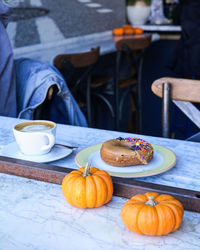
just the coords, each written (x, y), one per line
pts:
(35, 215)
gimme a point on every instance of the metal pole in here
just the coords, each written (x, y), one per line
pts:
(88, 101)
(140, 93)
(166, 93)
(116, 89)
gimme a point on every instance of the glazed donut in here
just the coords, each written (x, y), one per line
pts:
(126, 152)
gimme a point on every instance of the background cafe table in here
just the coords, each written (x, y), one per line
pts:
(35, 215)
(47, 52)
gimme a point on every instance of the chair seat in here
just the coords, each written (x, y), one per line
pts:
(126, 82)
(99, 81)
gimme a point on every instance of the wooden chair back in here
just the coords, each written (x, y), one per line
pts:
(181, 89)
(134, 43)
(77, 70)
(182, 92)
(78, 60)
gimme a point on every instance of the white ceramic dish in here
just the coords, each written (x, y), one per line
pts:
(57, 152)
(163, 160)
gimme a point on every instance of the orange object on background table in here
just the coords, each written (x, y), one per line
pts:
(118, 31)
(138, 31)
(127, 30)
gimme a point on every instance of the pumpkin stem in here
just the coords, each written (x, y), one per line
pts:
(151, 201)
(87, 170)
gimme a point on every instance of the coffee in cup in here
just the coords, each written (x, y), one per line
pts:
(35, 137)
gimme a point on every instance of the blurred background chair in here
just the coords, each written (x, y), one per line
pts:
(183, 92)
(77, 70)
(121, 91)
(132, 49)
(97, 91)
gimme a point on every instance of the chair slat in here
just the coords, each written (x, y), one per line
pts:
(182, 89)
(134, 43)
(190, 110)
(78, 60)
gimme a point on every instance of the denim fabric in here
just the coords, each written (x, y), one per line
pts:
(34, 79)
(7, 72)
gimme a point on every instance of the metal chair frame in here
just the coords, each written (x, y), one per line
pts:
(170, 90)
(85, 60)
(128, 47)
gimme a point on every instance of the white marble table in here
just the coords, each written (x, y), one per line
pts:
(35, 215)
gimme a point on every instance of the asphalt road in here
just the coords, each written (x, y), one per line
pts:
(65, 18)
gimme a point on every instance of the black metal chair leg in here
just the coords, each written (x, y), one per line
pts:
(108, 104)
(122, 99)
(116, 89)
(88, 101)
(140, 94)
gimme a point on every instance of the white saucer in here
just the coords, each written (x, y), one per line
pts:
(56, 153)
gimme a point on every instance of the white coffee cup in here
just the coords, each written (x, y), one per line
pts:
(35, 137)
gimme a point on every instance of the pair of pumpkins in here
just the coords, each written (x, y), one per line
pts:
(149, 213)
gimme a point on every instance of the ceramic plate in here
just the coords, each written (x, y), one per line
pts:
(56, 153)
(163, 160)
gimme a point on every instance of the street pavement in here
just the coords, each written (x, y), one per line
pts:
(65, 19)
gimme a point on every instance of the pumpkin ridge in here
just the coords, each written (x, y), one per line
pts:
(78, 192)
(106, 188)
(173, 201)
(67, 189)
(96, 170)
(134, 202)
(100, 184)
(178, 215)
(163, 197)
(162, 210)
(91, 185)
(81, 170)
(68, 177)
(157, 218)
(129, 216)
(108, 181)
(174, 217)
(141, 215)
(139, 210)
(140, 198)
(93, 170)
(66, 180)
(76, 172)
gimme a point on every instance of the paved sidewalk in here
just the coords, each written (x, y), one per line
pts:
(45, 52)
(66, 18)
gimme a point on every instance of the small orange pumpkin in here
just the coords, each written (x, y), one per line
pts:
(118, 31)
(128, 30)
(138, 31)
(87, 187)
(152, 214)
